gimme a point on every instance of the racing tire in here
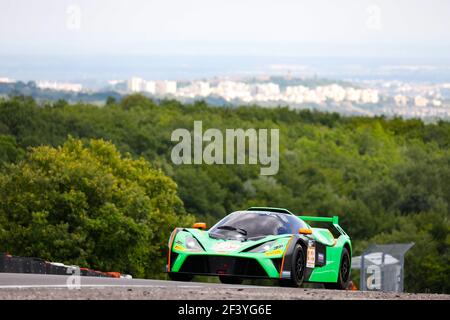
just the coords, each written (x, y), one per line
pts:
(298, 266)
(175, 276)
(344, 273)
(230, 280)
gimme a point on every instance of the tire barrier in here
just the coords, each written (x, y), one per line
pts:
(15, 264)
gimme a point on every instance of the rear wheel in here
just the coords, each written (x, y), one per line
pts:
(230, 280)
(344, 272)
(297, 268)
(180, 276)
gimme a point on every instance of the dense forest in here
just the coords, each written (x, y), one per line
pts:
(387, 179)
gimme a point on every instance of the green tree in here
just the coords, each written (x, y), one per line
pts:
(379, 175)
(91, 206)
(9, 151)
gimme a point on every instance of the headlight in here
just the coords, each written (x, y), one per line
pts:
(263, 247)
(192, 244)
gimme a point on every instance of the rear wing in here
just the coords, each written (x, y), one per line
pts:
(334, 220)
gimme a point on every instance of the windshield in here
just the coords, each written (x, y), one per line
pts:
(253, 224)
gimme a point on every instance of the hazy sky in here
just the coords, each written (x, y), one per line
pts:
(283, 27)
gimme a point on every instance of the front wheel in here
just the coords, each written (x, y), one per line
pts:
(297, 269)
(230, 280)
(175, 276)
(344, 273)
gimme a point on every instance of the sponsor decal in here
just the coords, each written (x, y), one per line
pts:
(273, 252)
(278, 246)
(226, 246)
(179, 248)
(311, 255)
(320, 257)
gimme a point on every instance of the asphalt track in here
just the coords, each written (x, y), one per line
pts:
(37, 286)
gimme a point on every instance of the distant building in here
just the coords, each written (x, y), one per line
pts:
(166, 87)
(295, 94)
(420, 101)
(136, 84)
(370, 96)
(150, 87)
(202, 88)
(6, 80)
(230, 90)
(196, 89)
(353, 94)
(267, 89)
(59, 86)
(313, 96)
(337, 93)
(401, 100)
(436, 103)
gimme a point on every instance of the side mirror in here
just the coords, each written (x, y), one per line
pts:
(199, 225)
(304, 231)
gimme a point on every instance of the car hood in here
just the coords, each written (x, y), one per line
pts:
(221, 246)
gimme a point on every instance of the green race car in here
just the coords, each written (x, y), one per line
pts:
(263, 243)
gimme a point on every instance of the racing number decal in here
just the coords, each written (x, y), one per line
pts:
(311, 255)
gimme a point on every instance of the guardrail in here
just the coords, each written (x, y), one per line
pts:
(16, 264)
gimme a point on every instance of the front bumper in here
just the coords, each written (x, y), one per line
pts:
(241, 265)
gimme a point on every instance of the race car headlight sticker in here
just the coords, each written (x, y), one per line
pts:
(264, 247)
(192, 244)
